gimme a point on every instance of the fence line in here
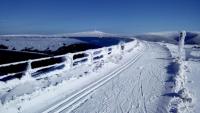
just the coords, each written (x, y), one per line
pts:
(68, 61)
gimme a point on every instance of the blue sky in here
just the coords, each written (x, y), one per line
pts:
(127, 17)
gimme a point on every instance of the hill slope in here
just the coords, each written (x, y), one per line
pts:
(170, 37)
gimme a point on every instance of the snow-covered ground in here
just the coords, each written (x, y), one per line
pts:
(73, 79)
(193, 78)
(54, 42)
(38, 43)
(186, 82)
(152, 77)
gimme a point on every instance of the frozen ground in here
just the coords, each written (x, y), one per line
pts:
(153, 77)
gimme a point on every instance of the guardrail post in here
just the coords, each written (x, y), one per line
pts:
(90, 59)
(28, 72)
(115, 49)
(124, 47)
(68, 61)
(105, 52)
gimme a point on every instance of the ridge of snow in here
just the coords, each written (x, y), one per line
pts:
(165, 33)
(168, 33)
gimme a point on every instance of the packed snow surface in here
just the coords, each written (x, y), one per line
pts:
(193, 78)
(143, 86)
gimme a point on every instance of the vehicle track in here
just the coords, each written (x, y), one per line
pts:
(68, 103)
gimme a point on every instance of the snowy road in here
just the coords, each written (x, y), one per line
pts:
(141, 85)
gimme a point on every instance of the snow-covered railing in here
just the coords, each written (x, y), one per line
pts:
(68, 62)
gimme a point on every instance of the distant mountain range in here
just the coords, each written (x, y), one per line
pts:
(79, 34)
(192, 37)
(170, 37)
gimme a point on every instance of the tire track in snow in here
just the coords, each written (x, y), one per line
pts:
(73, 100)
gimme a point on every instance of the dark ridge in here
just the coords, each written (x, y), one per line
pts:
(66, 49)
(189, 36)
(3, 47)
(103, 41)
(75, 48)
(195, 40)
(156, 38)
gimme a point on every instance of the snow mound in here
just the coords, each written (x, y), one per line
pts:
(183, 100)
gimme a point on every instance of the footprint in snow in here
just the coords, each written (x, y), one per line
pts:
(140, 67)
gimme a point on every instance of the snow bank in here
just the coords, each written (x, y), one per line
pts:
(183, 99)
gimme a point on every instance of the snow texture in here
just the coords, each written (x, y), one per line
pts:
(19, 43)
(182, 101)
(195, 53)
(142, 77)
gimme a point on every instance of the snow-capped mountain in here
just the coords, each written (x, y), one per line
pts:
(79, 34)
(90, 34)
(168, 37)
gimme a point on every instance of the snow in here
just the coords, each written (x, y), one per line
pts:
(193, 78)
(195, 53)
(91, 34)
(136, 89)
(185, 98)
(50, 42)
(49, 84)
(149, 97)
(149, 77)
(192, 37)
(41, 44)
(170, 34)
